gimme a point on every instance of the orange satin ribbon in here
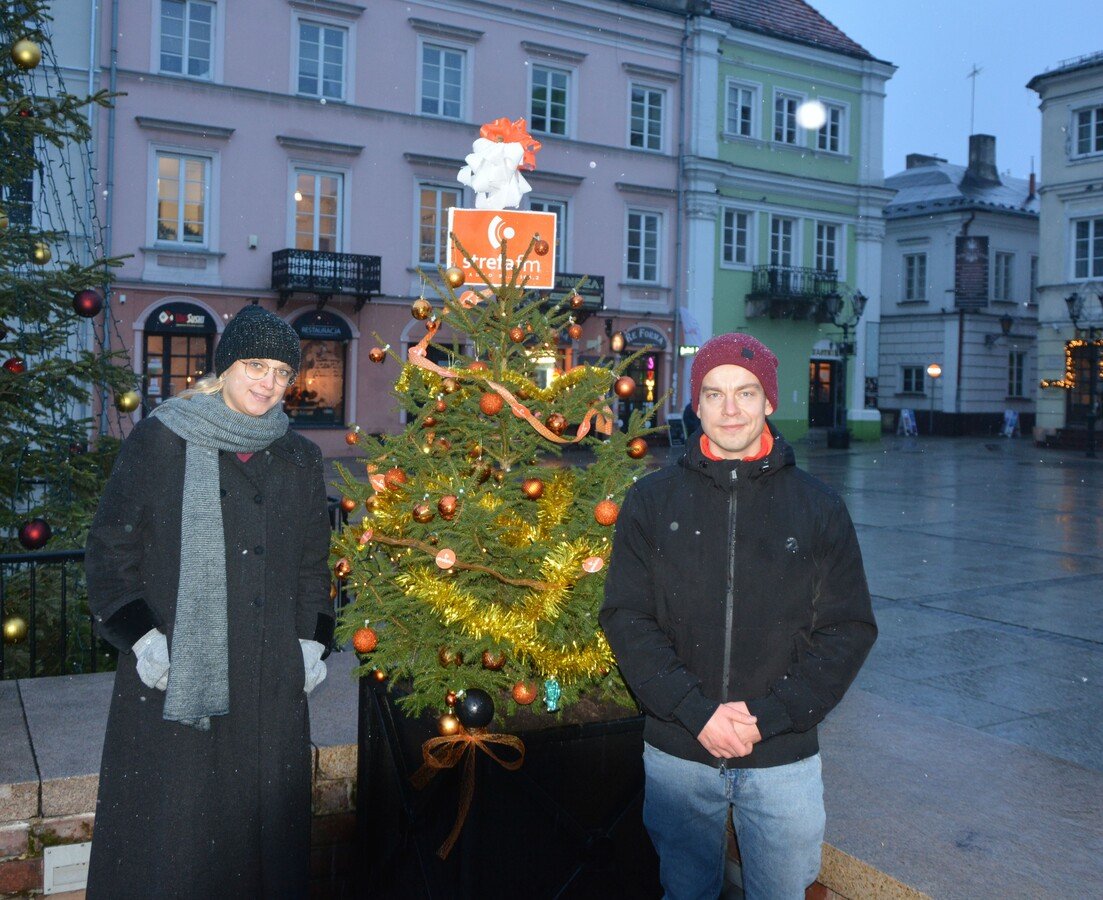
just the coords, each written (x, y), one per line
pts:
(445, 752)
(602, 421)
(515, 132)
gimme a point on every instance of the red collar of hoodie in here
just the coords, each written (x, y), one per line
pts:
(763, 451)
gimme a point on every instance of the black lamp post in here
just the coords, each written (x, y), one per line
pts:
(846, 317)
(1075, 303)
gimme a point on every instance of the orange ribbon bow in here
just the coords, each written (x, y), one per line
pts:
(508, 132)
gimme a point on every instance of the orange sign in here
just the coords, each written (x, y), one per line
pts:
(484, 232)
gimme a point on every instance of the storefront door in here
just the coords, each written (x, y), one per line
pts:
(177, 347)
(822, 377)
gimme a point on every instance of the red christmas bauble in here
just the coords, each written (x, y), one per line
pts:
(87, 303)
(606, 512)
(541, 247)
(491, 404)
(34, 534)
(16, 366)
(364, 640)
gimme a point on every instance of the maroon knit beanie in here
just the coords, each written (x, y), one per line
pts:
(735, 349)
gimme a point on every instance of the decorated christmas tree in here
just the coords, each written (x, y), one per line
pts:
(53, 282)
(476, 565)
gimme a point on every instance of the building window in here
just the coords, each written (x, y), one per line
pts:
(646, 118)
(183, 183)
(642, 243)
(781, 241)
(1034, 279)
(322, 60)
(548, 106)
(827, 247)
(433, 206)
(1088, 249)
(317, 398)
(1001, 279)
(915, 276)
(1016, 373)
(736, 238)
(742, 103)
(911, 379)
(785, 118)
(559, 207)
(1089, 131)
(318, 204)
(187, 37)
(830, 136)
(442, 73)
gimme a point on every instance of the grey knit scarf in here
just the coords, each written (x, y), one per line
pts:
(199, 685)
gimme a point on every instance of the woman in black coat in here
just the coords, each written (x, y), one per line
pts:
(207, 567)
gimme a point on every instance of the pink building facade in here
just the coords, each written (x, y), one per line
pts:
(303, 155)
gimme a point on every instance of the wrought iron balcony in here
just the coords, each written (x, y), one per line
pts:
(793, 292)
(325, 275)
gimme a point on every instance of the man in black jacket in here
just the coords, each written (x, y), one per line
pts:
(737, 606)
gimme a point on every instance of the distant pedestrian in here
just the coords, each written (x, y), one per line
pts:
(207, 567)
(736, 604)
(690, 422)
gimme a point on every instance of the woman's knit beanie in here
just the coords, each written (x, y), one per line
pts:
(255, 333)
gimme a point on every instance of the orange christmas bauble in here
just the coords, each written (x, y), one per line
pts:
(556, 423)
(624, 386)
(423, 513)
(447, 657)
(541, 247)
(394, 478)
(517, 334)
(478, 366)
(576, 301)
(348, 504)
(342, 568)
(606, 512)
(523, 693)
(440, 406)
(352, 438)
(637, 448)
(493, 661)
(533, 488)
(377, 354)
(449, 385)
(364, 640)
(446, 506)
(574, 331)
(491, 404)
(428, 421)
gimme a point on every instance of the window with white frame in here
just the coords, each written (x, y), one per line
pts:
(785, 118)
(1088, 248)
(1034, 279)
(1089, 131)
(319, 203)
(830, 135)
(1001, 276)
(187, 37)
(741, 118)
(1016, 373)
(735, 240)
(548, 104)
(442, 77)
(911, 379)
(782, 237)
(432, 240)
(646, 117)
(183, 185)
(322, 52)
(559, 207)
(827, 247)
(915, 276)
(642, 245)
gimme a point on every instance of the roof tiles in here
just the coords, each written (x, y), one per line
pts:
(788, 19)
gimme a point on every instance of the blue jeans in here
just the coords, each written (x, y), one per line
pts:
(779, 820)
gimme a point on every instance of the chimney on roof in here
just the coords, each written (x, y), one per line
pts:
(915, 160)
(982, 160)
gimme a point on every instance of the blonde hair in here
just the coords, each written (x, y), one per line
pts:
(208, 384)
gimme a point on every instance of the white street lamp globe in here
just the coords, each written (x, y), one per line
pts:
(811, 115)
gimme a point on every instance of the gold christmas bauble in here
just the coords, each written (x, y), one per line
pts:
(624, 386)
(40, 253)
(128, 401)
(421, 309)
(556, 423)
(448, 725)
(606, 512)
(493, 661)
(637, 448)
(26, 54)
(423, 513)
(449, 385)
(454, 277)
(342, 568)
(15, 630)
(447, 657)
(533, 488)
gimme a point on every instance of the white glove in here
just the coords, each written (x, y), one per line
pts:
(312, 664)
(152, 652)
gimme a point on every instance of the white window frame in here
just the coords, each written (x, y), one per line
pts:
(840, 247)
(731, 84)
(795, 247)
(433, 185)
(657, 215)
(211, 193)
(914, 289)
(217, 39)
(305, 167)
(572, 80)
(1095, 236)
(728, 261)
(914, 389)
(843, 110)
(1096, 111)
(562, 227)
(464, 51)
(798, 132)
(1016, 374)
(349, 73)
(662, 92)
(1003, 277)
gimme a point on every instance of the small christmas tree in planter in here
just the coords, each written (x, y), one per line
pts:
(476, 576)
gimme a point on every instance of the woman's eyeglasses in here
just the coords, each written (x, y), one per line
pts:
(256, 370)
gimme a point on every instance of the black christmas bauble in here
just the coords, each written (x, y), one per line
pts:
(476, 709)
(35, 533)
(87, 303)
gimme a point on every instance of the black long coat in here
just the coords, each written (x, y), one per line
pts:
(181, 812)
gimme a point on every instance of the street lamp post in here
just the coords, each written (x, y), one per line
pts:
(1075, 303)
(934, 371)
(845, 318)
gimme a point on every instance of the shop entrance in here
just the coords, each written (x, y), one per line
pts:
(177, 345)
(823, 377)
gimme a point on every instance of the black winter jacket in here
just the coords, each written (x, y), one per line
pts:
(736, 580)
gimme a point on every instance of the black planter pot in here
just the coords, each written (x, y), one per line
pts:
(567, 824)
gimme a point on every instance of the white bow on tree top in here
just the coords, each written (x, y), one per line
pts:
(492, 171)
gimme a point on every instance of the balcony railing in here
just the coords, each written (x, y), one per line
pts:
(325, 275)
(792, 292)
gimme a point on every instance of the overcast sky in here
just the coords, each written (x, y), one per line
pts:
(934, 44)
